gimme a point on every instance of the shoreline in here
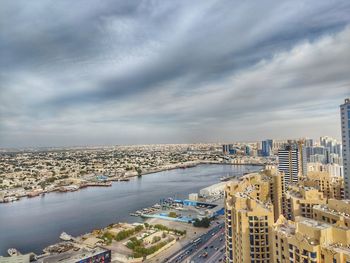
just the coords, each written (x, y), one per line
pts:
(123, 220)
(77, 240)
(108, 181)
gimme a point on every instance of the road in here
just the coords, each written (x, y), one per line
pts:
(211, 242)
(211, 251)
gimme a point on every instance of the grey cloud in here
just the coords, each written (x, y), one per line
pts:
(184, 66)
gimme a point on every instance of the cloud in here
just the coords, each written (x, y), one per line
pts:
(162, 71)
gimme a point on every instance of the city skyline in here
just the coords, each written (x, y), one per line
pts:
(88, 73)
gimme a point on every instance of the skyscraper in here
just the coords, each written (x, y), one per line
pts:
(309, 142)
(345, 130)
(292, 162)
(225, 149)
(266, 147)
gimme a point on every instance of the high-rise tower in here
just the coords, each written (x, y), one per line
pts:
(345, 132)
(266, 147)
(292, 162)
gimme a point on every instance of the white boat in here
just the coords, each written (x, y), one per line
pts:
(64, 236)
(12, 252)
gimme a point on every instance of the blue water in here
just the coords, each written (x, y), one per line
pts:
(34, 223)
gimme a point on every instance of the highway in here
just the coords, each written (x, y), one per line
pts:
(211, 251)
(208, 247)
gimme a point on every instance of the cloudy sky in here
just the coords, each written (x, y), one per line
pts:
(129, 72)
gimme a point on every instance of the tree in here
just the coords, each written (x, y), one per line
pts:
(204, 222)
(155, 239)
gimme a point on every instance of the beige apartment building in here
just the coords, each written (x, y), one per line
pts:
(334, 212)
(331, 186)
(310, 241)
(248, 228)
(250, 215)
(299, 201)
(313, 228)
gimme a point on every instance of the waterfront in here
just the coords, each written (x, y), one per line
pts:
(32, 224)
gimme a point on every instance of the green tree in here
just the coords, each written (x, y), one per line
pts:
(204, 222)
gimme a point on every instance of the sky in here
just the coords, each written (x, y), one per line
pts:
(89, 72)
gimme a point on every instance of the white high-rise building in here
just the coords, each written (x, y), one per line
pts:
(345, 132)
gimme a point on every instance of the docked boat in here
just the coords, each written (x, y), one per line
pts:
(133, 214)
(12, 252)
(64, 236)
(34, 193)
(224, 179)
(124, 180)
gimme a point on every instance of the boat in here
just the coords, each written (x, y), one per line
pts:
(64, 236)
(34, 193)
(12, 252)
(224, 179)
(124, 180)
(133, 214)
(10, 199)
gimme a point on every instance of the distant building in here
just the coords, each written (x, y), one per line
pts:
(225, 149)
(309, 142)
(333, 169)
(229, 149)
(345, 129)
(292, 162)
(247, 150)
(329, 151)
(266, 147)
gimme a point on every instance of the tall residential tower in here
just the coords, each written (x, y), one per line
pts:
(345, 130)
